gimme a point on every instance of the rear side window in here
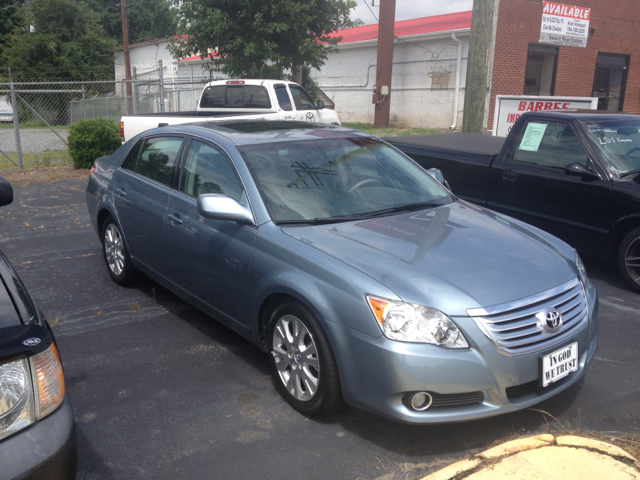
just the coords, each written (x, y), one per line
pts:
(235, 96)
(158, 158)
(283, 97)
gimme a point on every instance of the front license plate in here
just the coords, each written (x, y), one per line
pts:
(559, 364)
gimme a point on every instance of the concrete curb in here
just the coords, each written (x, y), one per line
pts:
(564, 450)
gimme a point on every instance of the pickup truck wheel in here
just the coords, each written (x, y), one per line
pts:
(629, 258)
(303, 365)
(115, 254)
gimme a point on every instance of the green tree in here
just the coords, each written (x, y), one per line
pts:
(66, 42)
(10, 20)
(147, 19)
(253, 37)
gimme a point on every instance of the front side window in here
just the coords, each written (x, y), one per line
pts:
(549, 144)
(618, 142)
(158, 158)
(337, 179)
(235, 96)
(540, 75)
(301, 98)
(207, 170)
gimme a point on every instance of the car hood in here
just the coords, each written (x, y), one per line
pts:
(452, 257)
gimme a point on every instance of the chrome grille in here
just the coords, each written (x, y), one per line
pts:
(514, 329)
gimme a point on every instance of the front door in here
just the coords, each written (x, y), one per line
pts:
(610, 81)
(306, 110)
(535, 188)
(209, 259)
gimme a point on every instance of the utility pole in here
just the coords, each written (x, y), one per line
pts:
(477, 66)
(127, 62)
(382, 88)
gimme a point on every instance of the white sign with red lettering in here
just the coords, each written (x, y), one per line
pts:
(509, 108)
(564, 24)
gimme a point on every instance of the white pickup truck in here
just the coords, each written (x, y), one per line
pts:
(250, 99)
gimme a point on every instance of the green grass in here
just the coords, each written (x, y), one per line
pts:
(35, 124)
(46, 158)
(390, 131)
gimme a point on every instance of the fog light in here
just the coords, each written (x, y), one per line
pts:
(421, 401)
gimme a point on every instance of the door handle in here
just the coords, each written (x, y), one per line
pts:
(509, 176)
(175, 219)
(120, 192)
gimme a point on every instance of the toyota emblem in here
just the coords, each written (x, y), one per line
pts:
(310, 117)
(550, 320)
(31, 342)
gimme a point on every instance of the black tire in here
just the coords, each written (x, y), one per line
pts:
(116, 255)
(627, 253)
(296, 363)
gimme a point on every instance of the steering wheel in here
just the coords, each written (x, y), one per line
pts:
(634, 149)
(364, 182)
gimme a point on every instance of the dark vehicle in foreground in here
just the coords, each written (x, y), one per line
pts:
(37, 433)
(573, 174)
(360, 275)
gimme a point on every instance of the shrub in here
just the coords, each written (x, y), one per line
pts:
(90, 139)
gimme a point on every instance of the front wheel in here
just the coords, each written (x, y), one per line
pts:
(302, 361)
(115, 254)
(629, 258)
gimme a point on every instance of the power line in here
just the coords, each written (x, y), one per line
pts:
(21, 4)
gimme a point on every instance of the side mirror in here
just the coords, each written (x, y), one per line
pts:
(579, 170)
(6, 192)
(439, 177)
(320, 104)
(221, 207)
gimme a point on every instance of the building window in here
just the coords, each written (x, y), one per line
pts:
(540, 76)
(440, 80)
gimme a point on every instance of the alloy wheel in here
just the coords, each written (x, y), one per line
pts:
(632, 260)
(296, 358)
(114, 249)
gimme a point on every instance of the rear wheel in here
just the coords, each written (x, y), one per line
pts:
(302, 361)
(629, 258)
(115, 254)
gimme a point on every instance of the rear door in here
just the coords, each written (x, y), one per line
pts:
(534, 186)
(209, 259)
(141, 194)
(285, 107)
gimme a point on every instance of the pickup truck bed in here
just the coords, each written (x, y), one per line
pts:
(463, 158)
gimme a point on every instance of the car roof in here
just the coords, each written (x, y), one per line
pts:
(582, 115)
(250, 132)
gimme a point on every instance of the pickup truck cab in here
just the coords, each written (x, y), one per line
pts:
(245, 99)
(575, 174)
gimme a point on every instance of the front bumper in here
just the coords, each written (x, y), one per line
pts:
(47, 450)
(377, 374)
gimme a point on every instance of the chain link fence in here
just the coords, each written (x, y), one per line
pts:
(35, 117)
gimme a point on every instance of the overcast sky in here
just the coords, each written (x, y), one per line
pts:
(406, 9)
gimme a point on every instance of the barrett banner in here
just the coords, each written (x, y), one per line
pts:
(564, 24)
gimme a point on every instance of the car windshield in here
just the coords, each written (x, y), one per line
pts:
(619, 142)
(338, 179)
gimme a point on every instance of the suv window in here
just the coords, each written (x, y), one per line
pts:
(207, 170)
(158, 158)
(301, 98)
(283, 97)
(550, 144)
(235, 96)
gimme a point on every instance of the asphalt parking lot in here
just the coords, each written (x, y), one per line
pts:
(161, 391)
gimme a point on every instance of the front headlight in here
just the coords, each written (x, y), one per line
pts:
(407, 322)
(582, 271)
(30, 389)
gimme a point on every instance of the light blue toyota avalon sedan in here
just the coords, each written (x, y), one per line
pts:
(364, 279)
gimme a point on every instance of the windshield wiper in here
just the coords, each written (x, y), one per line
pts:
(622, 175)
(315, 221)
(400, 208)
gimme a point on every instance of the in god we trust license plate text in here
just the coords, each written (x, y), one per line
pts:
(559, 364)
